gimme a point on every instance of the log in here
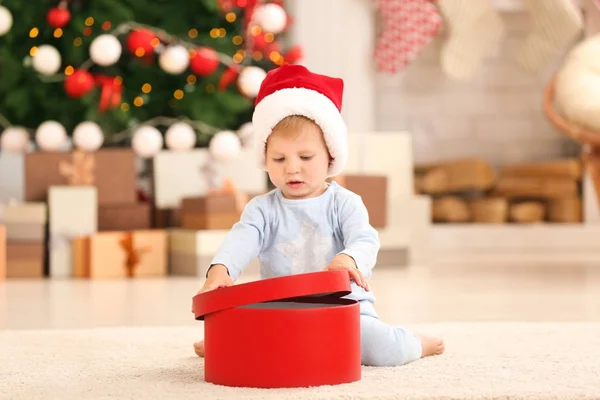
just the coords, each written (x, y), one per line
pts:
(565, 210)
(450, 209)
(527, 212)
(492, 210)
(535, 188)
(455, 176)
(569, 168)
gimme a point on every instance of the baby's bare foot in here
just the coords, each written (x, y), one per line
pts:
(199, 348)
(431, 346)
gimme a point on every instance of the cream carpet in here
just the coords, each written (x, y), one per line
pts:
(482, 361)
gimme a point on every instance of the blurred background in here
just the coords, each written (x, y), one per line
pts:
(126, 147)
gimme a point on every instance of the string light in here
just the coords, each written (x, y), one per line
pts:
(89, 21)
(269, 37)
(34, 32)
(106, 25)
(69, 70)
(33, 51)
(255, 30)
(274, 56)
(155, 42)
(124, 107)
(77, 42)
(146, 88)
(222, 32)
(257, 56)
(210, 88)
(118, 80)
(230, 17)
(237, 40)
(139, 52)
(193, 33)
(191, 79)
(87, 31)
(138, 101)
(214, 33)
(178, 94)
(58, 32)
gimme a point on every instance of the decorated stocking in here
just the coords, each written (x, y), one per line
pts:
(556, 23)
(475, 28)
(408, 25)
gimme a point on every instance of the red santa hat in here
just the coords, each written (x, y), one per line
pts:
(294, 90)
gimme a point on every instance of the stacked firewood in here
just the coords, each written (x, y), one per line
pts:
(472, 190)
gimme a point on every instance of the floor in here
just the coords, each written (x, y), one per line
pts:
(411, 294)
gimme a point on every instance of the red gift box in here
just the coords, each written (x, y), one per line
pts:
(297, 332)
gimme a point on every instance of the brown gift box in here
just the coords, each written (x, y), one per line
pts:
(124, 217)
(213, 211)
(114, 175)
(373, 191)
(2, 252)
(25, 259)
(140, 253)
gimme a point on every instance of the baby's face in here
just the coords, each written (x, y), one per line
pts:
(297, 162)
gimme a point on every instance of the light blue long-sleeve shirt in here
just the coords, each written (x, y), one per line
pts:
(302, 235)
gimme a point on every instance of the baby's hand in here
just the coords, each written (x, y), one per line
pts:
(344, 261)
(217, 277)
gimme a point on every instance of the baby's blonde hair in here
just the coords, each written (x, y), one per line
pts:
(292, 124)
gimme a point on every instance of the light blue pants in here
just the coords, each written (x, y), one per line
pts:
(383, 345)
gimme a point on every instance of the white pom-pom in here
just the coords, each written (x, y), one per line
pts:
(225, 146)
(577, 85)
(174, 60)
(6, 20)
(180, 136)
(105, 50)
(272, 18)
(245, 133)
(250, 80)
(14, 139)
(88, 136)
(51, 136)
(147, 141)
(46, 60)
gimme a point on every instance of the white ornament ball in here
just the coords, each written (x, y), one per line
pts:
(250, 80)
(14, 139)
(46, 60)
(245, 133)
(272, 18)
(51, 136)
(174, 60)
(6, 20)
(577, 85)
(88, 136)
(225, 146)
(180, 136)
(147, 141)
(105, 50)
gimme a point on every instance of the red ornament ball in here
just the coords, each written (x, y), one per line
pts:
(79, 83)
(142, 42)
(58, 17)
(204, 61)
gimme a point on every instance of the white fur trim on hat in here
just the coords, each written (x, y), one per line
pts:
(311, 104)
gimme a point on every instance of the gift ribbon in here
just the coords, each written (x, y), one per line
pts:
(111, 90)
(241, 198)
(80, 171)
(133, 254)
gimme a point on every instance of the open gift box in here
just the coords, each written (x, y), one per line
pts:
(298, 332)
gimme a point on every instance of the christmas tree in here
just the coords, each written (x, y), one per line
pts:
(98, 70)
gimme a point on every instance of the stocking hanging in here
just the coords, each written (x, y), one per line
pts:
(408, 26)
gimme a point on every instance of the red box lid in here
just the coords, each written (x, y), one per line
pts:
(323, 284)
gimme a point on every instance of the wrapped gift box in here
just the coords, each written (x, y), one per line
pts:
(299, 324)
(124, 217)
(191, 251)
(2, 252)
(12, 176)
(73, 213)
(179, 174)
(25, 221)
(373, 191)
(25, 259)
(214, 211)
(105, 255)
(113, 171)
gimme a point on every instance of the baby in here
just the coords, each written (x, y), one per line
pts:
(307, 224)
